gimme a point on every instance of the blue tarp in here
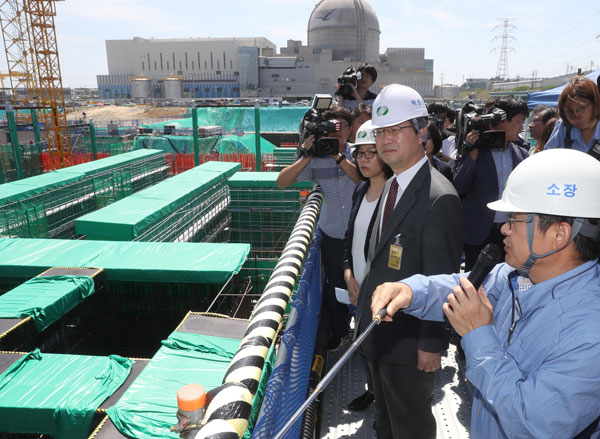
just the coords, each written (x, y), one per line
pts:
(550, 97)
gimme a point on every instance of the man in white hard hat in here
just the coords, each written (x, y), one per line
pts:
(531, 334)
(418, 229)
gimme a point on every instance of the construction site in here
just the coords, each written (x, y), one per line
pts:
(146, 249)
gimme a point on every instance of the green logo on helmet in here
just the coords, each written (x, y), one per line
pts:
(362, 134)
(382, 111)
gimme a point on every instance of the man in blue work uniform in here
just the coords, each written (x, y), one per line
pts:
(531, 334)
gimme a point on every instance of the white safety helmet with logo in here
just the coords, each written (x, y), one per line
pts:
(396, 104)
(364, 135)
(560, 182)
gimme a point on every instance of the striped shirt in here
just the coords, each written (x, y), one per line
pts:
(337, 190)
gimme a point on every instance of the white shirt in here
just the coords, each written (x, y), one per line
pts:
(449, 147)
(404, 179)
(361, 224)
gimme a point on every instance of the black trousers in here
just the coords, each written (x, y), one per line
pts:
(472, 251)
(332, 311)
(403, 397)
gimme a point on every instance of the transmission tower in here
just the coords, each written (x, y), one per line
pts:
(502, 70)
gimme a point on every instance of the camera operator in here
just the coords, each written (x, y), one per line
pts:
(337, 175)
(361, 113)
(353, 87)
(481, 173)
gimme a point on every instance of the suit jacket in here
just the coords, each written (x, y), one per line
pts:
(428, 217)
(477, 184)
(357, 197)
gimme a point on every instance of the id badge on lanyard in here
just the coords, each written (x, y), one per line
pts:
(395, 258)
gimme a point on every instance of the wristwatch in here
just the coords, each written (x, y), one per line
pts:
(341, 159)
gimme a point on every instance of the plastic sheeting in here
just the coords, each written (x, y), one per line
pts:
(58, 394)
(128, 218)
(228, 144)
(284, 119)
(149, 406)
(45, 299)
(29, 187)
(262, 179)
(205, 263)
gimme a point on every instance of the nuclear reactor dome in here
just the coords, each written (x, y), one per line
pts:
(349, 27)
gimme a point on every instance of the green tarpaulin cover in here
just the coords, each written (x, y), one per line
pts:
(58, 394)
(227, 144)
(128, 218)
(177, 262)
(45, 299)
(29, 187)
(149, 406)
(282, 119)
(261, 179)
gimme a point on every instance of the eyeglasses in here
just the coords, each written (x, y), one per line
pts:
(512, 219)
(369, 154)
(389, 130)
(536, 120)
(344, 125)
(578, 110)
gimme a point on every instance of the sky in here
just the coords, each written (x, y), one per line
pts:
(550, 37)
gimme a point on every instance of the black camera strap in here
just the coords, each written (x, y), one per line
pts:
(594, 151)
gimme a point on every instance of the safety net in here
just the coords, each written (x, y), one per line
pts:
(241, 119)
(187, 207)
(180, 262)
(57, 394)
(226, 144)
(149, 406)
(45, 299)
(288, 384)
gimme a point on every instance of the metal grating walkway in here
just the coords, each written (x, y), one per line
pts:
(451, 401)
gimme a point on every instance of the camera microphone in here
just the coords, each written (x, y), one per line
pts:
(487, 259)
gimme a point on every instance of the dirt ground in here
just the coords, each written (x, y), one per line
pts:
(109, 113)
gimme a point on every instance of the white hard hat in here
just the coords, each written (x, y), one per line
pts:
(396, 104)
(561, 182)
(364, 135)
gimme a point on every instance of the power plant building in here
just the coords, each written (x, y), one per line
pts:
(340, 33)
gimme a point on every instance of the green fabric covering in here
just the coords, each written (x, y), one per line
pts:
(284, 119)
(262, 179)
(149, 406)
(227, 144)
(45, 299)
(58, 394)
(128, 218)
(260, 392)
(125, 261)
(29, 187)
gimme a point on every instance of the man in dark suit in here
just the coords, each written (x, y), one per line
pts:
(418, 230)
(481, 175)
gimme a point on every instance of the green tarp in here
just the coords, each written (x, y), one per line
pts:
(262, 179)
(28, 187)
(180, 262)
(128, 218)
(58, 394)
(149, 406)
(45, 299)
(280, 119)
(227, 144)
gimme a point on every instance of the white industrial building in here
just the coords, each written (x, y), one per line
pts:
(340, 33)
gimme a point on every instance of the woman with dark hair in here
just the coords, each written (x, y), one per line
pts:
(547, 131)
(579, 110)
(362, 217)
(432, 150)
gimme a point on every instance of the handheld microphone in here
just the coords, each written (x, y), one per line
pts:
(487, 259)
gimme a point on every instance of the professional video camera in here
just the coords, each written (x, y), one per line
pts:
(314, 124)
(350, 76)
(471, 118)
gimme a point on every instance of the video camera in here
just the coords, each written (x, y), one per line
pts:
(314, 124)
(471, 118)
(350, 76)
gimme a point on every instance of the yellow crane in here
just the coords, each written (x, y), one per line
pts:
(33, 64)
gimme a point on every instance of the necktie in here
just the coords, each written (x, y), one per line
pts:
(390, 204)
